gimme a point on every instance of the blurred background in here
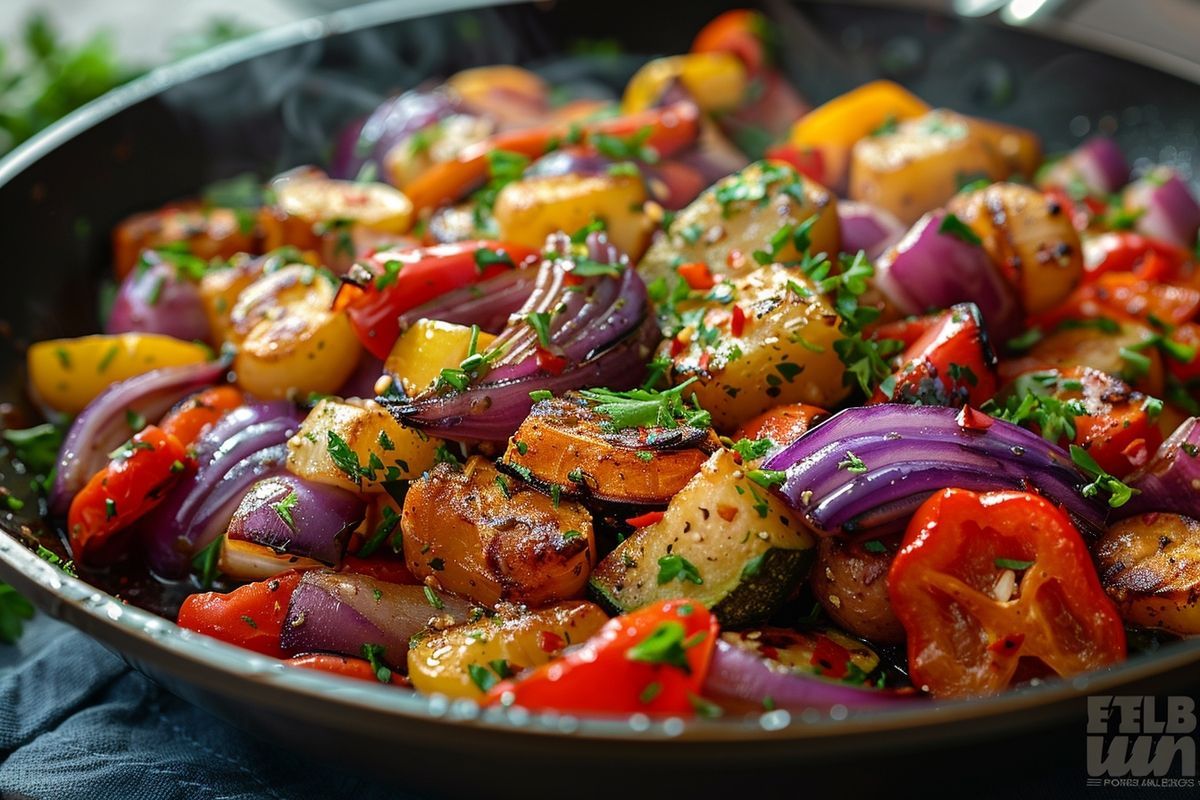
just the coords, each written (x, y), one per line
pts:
(56, 55)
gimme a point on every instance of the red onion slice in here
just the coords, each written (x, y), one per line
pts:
(299, 517)
(1170, 482)
(929, 269)
(249, 444)
(1169, 211)
(740, 674)
(339, 612)
(158, 298)
(102, 426)
(867, 469)
(867, 228)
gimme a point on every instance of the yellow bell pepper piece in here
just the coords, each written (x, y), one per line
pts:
(67, 373)
(717, 81)
(429, 346)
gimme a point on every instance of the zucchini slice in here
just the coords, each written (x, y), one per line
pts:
(724, 540)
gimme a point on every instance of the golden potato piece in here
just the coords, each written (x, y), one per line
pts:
(921, 164)
(738, 215)
(850, 582)
(529, 210)
(1150, 566)
(491, 537)
(784, 352)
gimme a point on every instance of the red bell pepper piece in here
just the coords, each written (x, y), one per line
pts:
(135, 481)
(970, 629)
(950, 364)
(405, 279)
(807, 161)
(652, 661)
(782, 424)
(337, 665)
(1121, 251)
(200, 412)
(250, 616)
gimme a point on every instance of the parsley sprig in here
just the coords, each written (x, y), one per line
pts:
(1119, 493)
(647, 408)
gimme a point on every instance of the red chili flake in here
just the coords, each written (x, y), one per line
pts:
(697, 275)
(830, 658)
(737, 321)
(571, 279)
(549, 362)
(677, 346)
(973, 420)
(649, 518)
(735, 259)
(1008, 644)
(1136, 452)
(550, 642)
(703, 362)
(725, 512)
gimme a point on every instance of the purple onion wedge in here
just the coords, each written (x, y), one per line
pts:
(340, 612)
(291, 515)
(596, 330)
(931, 269)
(737, 673)
(397, 118)
(104, 424)
(247, 445)
(159, 298)
(867, 228)
(1166, 208)
(487, 304)
(1170, 482)
(867, 469)
(1097, 165)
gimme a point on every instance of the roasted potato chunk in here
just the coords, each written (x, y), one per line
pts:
(1123, 352)
(289, 342)
(357, 445)
(208, 232)
(782, 351)
(565, 443)
(463, 660)
(738, 215)
(1029, 237)
(439, 141)
(491, 537)
(921, 164)
(529, 210)
(850, 582)
(1150, 566)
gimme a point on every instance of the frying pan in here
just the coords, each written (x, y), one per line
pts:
(276, 100)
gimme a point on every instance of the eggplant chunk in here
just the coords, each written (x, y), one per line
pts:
(850, 582)
(1029, 236)
(461, 661)
(564, 443)
(738, 215)
(724, 540)
(1150, 567)
(491, 537)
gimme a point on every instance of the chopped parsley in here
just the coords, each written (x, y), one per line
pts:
(768, 478)
(373, 654)
(672, 567)
(667, 644)
(284, 509)
(852, 463)
(1118, 492)
(751, 449)
(647, 408)
(1013, 564)
(953, 226)
(388, 524)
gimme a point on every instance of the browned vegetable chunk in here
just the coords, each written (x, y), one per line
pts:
(564, 442)
(850, 582)
(492, 537)
(1150, 567)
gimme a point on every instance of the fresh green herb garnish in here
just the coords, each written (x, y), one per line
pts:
(284, 509)
(647, 408)
(666, 644)
(373, 654)
(1013, 564)
(852, 463)
(953, 226)
(675, 566)
(1119, 493)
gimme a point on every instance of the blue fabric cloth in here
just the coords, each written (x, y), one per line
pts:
(77, 723)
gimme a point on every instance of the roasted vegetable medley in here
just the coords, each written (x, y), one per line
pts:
(582, 405)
